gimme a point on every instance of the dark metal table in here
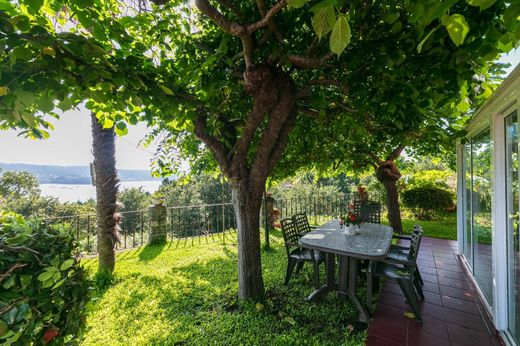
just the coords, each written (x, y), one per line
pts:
(372, 244)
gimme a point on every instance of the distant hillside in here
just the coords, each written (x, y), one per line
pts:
(72, 174)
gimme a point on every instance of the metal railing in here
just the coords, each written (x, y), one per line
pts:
(184, 222)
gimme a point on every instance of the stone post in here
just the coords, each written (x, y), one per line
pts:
(157, 233)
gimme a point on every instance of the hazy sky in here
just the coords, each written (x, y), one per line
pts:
(71, 141)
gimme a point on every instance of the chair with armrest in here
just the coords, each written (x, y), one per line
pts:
(296, 255)
(401, 270)
(401, 252)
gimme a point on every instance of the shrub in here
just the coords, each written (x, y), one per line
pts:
(43, 289)
(426, 200)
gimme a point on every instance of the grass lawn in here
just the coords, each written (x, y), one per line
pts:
(185, 293)
(444, 226)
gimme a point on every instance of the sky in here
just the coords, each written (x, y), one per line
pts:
(70, 143)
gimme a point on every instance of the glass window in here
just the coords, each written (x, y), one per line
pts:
(481, 169)
(513, 208)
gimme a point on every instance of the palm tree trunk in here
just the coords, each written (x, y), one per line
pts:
(107, 183)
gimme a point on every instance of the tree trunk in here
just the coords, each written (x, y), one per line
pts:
(107, 182)
(249, 162)
(247, 212)
(388, 174)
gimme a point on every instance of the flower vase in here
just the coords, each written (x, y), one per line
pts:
(354, 229)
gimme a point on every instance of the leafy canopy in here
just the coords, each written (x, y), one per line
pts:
(369, 75)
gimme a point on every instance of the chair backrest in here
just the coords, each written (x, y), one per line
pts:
(370, 212)
(289, 232)
(302, 223)
(415, 243)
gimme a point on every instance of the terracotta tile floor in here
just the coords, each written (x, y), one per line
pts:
(452, 311)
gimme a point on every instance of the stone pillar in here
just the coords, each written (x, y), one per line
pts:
(157, 233)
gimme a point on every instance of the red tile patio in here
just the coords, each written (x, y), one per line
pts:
(452, 311)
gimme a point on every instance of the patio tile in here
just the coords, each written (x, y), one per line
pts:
(426, 339)
(452, 311)
(429, 310)
(429, 277)
(457, 293)
(374, 340)
(452, 282)
(432, 298)
(461, 305)
(430, 287)
(468, 337)
(465, 320)
(389, 323)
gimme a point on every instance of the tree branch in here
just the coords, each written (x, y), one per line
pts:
(213, 143)
(251, 28)
(307, 62)
(209, 10)
(395, 154)
(232, 7)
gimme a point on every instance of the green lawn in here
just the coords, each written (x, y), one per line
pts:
(186, 294)
(444, 226)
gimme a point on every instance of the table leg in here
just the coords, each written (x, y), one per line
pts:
(343, 278)
(330, 283)
(353, 266)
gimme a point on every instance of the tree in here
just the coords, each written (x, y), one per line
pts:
(241, 77)
(18, 184)
(107, 184)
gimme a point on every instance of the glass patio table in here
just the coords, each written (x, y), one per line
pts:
(372, 244)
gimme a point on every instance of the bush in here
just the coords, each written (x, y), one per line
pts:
(44, 291)
(425, 201)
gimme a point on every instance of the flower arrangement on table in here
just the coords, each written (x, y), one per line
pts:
(353, 219)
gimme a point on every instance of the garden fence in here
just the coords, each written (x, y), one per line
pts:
(185, 222)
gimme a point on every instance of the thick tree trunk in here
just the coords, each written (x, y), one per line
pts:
(247, 212)
(249, 162)
(388, 174)
(104, 149)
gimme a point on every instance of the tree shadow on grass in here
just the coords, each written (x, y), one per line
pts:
(149, 252)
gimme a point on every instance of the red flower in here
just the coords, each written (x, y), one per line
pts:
(50, 334)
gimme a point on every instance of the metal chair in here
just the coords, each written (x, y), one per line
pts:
(302, 224)
(296, 255)
(403, 271)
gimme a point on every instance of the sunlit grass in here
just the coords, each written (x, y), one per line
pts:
(185, 293)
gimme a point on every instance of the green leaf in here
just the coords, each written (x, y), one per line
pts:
(457, 27)
(323, 20)
(391, 17)
(483, 4)
(463, 106)
(3, 328)
(121, 129)
(166, 90)
(46, 275)
(289, 320)
(340, 37)
(4, 90)
(5, 5)
(67, 264)
(396, 27)
(296, 3)
(35, 4)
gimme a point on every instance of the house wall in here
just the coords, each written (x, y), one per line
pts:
(505, 99)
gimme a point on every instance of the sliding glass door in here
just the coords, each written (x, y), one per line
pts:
(477, 243)
(513, 209)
